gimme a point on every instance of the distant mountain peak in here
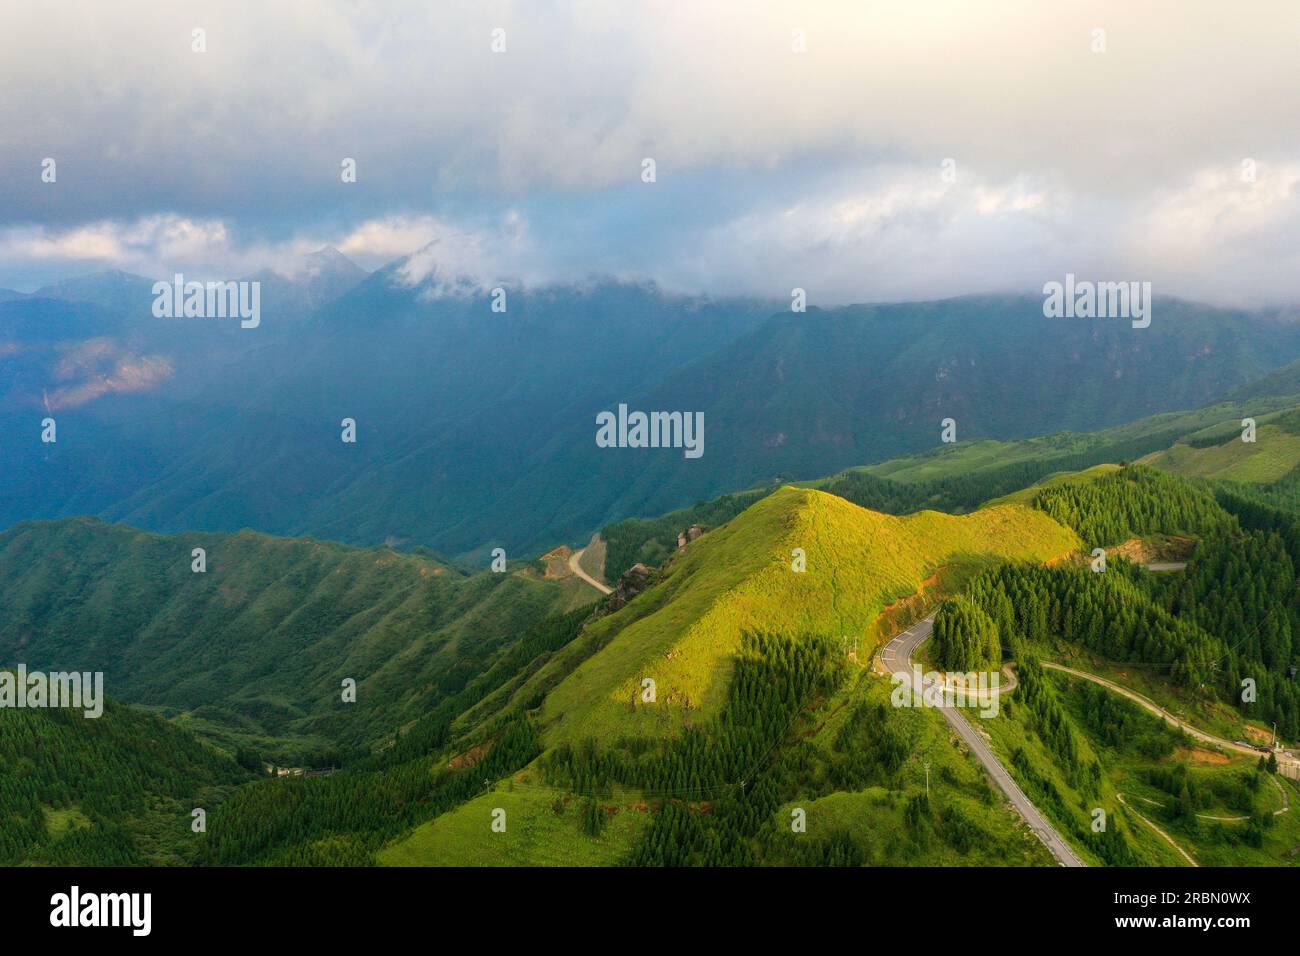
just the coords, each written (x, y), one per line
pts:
(325, 265)
(328, 258)
(113, 289)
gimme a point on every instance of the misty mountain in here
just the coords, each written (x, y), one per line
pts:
(476, 428)
(319, 279)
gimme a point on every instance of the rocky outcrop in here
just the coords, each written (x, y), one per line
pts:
(632, 582)
(690, 534)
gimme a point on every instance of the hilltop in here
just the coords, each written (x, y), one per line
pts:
(859, 563)
(726, 623)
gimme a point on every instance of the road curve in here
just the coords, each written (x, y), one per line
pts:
(576, 568)
(1167, 838)
(897, 659)
(1155, 708)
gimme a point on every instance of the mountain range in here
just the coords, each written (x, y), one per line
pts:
(684, 718)
(476, 428)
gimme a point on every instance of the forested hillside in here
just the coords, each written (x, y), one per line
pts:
(1131, 502)
(117, 790)
(254, 649)
(1230, 616)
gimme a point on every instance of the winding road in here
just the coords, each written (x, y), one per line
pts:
(897, 659)
(896, 656)
(576, 568)
(1169, 718)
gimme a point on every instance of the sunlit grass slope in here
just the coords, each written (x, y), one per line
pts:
(542, 828)
(683, 632)
(1273, 454)
(972, 457)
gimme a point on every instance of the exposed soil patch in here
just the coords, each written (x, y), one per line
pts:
(1199, 755)
(1160, 549)
(905, 612)
(1258, 734)
(556, 563)
(469, 758)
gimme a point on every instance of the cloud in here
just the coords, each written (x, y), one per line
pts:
(1227, 234)
(383, 240)
(152, 246)
(210, 249)
(237, 153)
(889, 233)
(456, 260)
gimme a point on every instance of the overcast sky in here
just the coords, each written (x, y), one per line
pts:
(775, 168)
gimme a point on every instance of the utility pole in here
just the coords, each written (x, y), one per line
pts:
(927, 780)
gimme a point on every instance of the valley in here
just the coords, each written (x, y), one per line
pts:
(851, 446)
(478, 429)
(728, 702)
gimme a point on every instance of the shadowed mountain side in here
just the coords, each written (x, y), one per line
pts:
(476, 429)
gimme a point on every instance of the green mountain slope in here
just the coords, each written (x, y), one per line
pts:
(256, 647)
(114, 790)
(1222, 452)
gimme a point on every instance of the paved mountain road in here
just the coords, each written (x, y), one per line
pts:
(897, 658)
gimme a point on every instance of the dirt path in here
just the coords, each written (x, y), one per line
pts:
(1286, 805)
(1156, 709)
(576, 568)
(1168, 839)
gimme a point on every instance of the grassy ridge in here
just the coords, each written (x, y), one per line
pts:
(683, 633)
(958, 478)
